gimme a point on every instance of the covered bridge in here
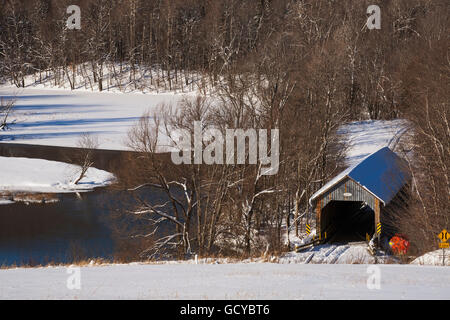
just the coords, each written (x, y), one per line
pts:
(350, 206)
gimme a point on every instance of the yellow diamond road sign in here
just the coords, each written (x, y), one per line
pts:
(444, 236)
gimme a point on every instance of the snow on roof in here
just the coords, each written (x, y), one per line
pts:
(382, 173)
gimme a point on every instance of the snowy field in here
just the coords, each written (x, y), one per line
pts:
(36, 175)
(59, 117)
(227, 281)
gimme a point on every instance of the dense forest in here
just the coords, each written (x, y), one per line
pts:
(302, 66)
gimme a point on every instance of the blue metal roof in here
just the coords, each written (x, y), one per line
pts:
(382, 173)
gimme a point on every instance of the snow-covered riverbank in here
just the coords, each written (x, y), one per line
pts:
(36, 175)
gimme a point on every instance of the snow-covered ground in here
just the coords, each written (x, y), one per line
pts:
(366, 137)
(434, 258)
(5, 201)
(118, 79)
(59, 117)
(36, 175)
(331, 254)
(227, 281)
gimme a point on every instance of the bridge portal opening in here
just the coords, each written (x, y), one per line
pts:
(347, 221)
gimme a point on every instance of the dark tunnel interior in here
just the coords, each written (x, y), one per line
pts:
(347, 221)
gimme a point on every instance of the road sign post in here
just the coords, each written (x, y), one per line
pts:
(444, 237)
(443, 257)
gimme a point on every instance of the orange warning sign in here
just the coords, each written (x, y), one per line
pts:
(444, 236)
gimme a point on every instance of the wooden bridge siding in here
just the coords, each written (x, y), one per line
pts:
(377, 216)
(337, 193)
(347, 186)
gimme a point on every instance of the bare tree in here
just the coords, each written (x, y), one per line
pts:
(178, 204)
(87, 144)
(6, 109)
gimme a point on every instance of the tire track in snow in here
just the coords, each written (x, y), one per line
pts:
(336, 254)
(330, 251)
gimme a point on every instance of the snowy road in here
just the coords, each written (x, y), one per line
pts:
(227, 281)
(335, 253)
(366, 137)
